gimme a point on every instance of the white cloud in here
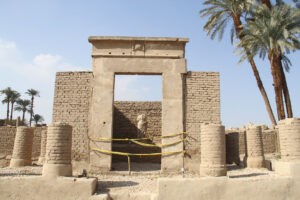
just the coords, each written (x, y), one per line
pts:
(37, 72)
(43, 67)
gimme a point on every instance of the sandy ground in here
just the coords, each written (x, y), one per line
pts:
(146, 181)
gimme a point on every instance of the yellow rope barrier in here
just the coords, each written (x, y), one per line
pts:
(156, 145)
(112, 139)
(136, 139)
(176, 134)
(134, 154)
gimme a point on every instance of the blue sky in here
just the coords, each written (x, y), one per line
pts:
(39, 38)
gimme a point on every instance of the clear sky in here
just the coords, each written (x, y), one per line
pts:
(41, 37)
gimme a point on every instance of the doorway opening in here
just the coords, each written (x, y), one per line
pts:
(137, 115)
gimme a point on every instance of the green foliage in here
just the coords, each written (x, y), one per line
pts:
(38, 118)
(220, 13)
(33, 93)
(272, 31)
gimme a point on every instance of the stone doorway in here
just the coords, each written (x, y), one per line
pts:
(137, 105)
(136, 55)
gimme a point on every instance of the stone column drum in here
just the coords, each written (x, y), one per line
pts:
(255, 153)
(22, 147)
(43, 146)
(213, 152)
(58, 150)
(289, 136)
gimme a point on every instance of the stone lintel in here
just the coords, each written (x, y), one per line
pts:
(153, 47)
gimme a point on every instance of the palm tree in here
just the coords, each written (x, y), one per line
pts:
(273, 32)
(8, 93)
(22, 106)
(38, 118)
(220, 12)
(14, 97)
(32, 93)
(285, 89)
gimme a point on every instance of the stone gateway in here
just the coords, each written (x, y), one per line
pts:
(85, 100)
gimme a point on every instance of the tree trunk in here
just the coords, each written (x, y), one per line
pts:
(7, 114)
(31, 111)
(23, 117)
(283, 79)
(275, 69)
(262, 91)
(286, 93)
(267, 3)
(238, 28)
(11, 111)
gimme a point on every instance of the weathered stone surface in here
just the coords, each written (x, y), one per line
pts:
(154, 47)
(255, 153)
(202, 104)
(58, 150)
(224, 188)
(213, 156)
(43, 146)
(22, 147)
(37, 187)
(289, 135)
(104, 70)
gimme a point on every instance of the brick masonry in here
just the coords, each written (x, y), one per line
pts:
(71, 105)
(125, 126)
(7, 138)
(270, 141)
(202, 104)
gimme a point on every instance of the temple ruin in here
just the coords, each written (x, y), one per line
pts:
(85, 100)
(75, 157)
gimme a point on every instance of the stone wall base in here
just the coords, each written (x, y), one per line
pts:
(57, 170)
(36, 188)
(286, 168)
(19, 162)
(215, 188)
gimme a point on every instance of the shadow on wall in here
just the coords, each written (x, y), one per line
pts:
(125, 128)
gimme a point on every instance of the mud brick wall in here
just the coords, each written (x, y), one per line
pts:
(202, 104)
(270, 141)
(125, 115)
(71, 105)
(72, 98)
(7, 139)
(125, 126)
(36, 147)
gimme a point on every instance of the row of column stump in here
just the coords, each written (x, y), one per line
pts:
(56, 146)
(213, 146)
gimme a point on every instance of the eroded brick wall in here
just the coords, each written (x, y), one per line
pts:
(71, 105)
(125, 126)
(125, 118)
(7, 139)
(270, 141)
(202, 104)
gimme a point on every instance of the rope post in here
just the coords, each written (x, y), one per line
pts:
(129, 170)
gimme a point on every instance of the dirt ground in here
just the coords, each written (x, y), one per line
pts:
(146, 181)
